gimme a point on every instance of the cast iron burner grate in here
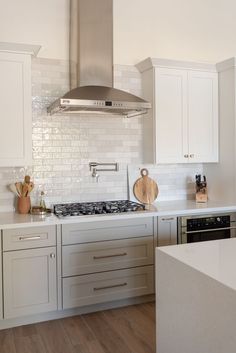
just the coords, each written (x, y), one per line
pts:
(93, 208)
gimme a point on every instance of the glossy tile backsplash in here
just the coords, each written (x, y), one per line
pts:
(64, 145)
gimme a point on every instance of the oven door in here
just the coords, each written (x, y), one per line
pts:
(205, 235)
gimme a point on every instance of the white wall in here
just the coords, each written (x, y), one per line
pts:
(201, 30)
(182, 29)
(43, 22)
(222, 176)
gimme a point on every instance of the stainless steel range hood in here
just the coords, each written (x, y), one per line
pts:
(91, 65)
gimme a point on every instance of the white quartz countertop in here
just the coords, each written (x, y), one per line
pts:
(187, 207)
(215, 259)
(161, 209)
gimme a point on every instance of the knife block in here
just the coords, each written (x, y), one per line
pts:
(201, 193)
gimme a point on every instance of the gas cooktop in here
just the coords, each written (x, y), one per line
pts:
(92, 208)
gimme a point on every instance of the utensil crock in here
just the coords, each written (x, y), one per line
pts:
(23, 204)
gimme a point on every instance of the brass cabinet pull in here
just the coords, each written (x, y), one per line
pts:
(107, 256)
(186, 156)
(112, 286)
(36, 237)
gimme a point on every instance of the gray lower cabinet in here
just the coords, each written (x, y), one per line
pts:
(107, 261)
(28, 238)
(106, 230)
(167, 231)
(106, 255)
(107, 286)
(100, 262)
(29, 282)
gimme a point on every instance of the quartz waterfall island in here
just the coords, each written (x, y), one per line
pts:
(196, 297)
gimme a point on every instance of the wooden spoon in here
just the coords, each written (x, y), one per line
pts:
(27, 179)
(19, 188)
(30, 187)
(12, 188)
(25, 189)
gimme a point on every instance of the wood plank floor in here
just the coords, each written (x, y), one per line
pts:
(125, 330)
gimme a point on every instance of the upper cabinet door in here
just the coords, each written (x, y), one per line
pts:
(203, 116)
(15, 116)
(171, 115)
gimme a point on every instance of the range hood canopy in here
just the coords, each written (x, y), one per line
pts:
(100, 99)
(91, 65)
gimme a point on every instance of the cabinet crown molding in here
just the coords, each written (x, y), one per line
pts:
(150, 63)
(19, 48)
(226, 64)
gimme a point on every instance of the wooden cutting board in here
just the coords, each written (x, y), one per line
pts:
(145, 189)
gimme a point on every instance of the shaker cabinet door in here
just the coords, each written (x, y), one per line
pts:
(15, 117)
(203, 116)
(171, 115)
(29, 282)
(167, 231)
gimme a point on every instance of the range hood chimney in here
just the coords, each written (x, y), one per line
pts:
(91, 65)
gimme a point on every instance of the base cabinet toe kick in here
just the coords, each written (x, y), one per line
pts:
(50, 272)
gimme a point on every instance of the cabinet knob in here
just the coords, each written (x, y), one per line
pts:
(186, 156)
(52, 256)
(191, 155)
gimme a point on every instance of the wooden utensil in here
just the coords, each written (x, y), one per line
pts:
(27, 179)
(145, 189)
(30, 187)
(25, 189)
(19, 188)
(12, 188)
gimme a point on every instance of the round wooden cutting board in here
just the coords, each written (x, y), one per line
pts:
(145, 189)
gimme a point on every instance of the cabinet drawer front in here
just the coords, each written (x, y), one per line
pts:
(106, 230)
(107, 255)
(27, 238)
(29, 282)
(107, 286)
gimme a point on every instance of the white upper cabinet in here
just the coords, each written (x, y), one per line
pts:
(203, 116)
(182, 126)
(16, 103)
(171, 112)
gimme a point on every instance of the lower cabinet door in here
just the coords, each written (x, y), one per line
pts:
(29, 282)
(107, 286)
(167, 231)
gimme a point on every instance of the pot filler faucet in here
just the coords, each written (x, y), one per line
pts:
(110, 167)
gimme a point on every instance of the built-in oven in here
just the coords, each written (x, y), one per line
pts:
(206, 227)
